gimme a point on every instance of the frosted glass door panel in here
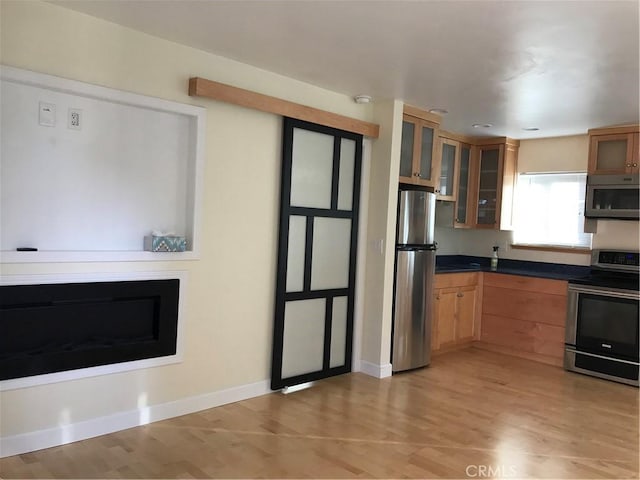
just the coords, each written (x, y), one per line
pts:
(488, 192)
(331, 248)
(338, 332)
(447, 169)
(295, 254)
(426, 153)
(612, 154)
(311, 169)
(463, 185)
(303, 340)
(406, 149)
(345, 182)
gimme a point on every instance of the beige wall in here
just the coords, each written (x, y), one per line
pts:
(569, 154)
(385, 166)
(231, 288)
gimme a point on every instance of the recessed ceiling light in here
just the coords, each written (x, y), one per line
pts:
(439, 111)
(362, 99)
(482, 125)
(530, 129)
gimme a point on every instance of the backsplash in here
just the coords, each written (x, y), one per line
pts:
(611, 234)
(620, 234)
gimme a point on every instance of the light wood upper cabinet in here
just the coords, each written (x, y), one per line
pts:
(478, 174)
(486, 181)
(419, 163)
(613, 150)
(494, 181)
(484, 176)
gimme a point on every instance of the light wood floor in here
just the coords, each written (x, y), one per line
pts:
(471, 412)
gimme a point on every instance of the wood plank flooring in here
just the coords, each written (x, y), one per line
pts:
(472, 414)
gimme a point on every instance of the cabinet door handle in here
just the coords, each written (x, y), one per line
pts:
(438, 297)
(635, 164)
(460, 295)
(417, 174)
(628, 164)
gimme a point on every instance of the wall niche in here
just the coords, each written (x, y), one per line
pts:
(87, 171)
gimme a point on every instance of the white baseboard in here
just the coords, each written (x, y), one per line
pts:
(29, 442)
(375, 370)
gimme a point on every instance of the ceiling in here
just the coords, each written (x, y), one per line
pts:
(560, 66)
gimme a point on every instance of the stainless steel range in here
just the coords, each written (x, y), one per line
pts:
(601, 337)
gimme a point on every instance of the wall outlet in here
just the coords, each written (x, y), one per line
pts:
(47, 114)
(74, 119)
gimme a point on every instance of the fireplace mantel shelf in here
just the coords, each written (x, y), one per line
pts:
(45, 256)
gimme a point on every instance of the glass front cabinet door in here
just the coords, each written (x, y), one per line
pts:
(462, 211)
(489, 176)
(615, 153)
(449, 165)
(417, 163)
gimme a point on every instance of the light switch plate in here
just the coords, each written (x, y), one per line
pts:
(47, 114)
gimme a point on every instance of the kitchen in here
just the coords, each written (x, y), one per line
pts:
(219, 313)
(513, 314)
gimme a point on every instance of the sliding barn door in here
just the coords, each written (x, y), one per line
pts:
(316, 254)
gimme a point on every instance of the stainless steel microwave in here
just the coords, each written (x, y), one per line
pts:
(613, 196)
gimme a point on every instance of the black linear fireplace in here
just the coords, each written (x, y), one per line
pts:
(58, 327)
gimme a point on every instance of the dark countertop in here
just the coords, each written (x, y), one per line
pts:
(466, 263)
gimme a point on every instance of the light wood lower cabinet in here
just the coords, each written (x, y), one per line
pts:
(443, 331)
(512, 314)
(524, 316)
(467, 305)
(455, 310)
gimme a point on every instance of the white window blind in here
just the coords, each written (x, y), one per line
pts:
(550, 209)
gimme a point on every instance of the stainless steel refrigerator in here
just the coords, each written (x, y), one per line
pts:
(415, 270)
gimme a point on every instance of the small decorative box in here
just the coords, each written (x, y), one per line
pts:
(165, 243)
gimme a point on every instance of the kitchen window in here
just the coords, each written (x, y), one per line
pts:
(550, 210)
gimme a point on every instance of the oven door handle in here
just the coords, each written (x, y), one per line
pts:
(604, 291)
(572, 350)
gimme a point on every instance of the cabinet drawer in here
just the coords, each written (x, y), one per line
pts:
(530, 284)
(524, 305)
(448, 280)
(530, 337)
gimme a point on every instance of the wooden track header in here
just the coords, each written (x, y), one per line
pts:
(201, 87)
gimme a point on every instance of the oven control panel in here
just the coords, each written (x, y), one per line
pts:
(614, 260)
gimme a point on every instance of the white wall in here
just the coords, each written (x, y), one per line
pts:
(569, 154)
(231, 289)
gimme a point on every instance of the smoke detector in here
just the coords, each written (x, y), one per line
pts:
(362, 99)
